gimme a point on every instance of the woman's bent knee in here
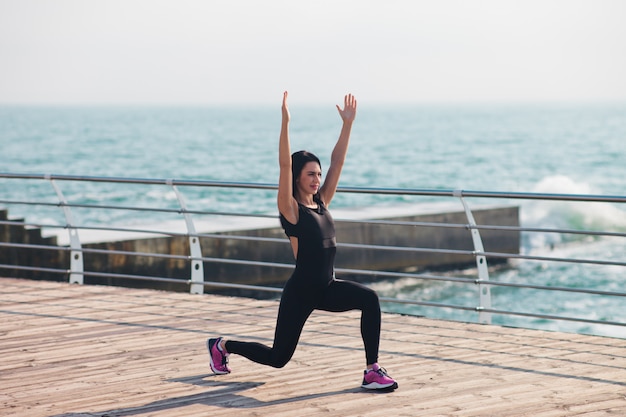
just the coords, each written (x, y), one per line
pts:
(280, 362)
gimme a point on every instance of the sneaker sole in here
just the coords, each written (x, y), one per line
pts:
(375, 386)
(211, 363)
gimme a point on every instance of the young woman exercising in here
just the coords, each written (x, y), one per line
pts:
(303, 205)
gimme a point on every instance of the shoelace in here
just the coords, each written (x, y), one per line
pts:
(381, 371)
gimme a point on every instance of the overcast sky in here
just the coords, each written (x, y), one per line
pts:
(249, 51)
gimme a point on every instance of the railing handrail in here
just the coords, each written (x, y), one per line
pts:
(478, 253)
(358, 190)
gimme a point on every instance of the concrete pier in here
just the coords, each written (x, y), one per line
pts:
(348, 231)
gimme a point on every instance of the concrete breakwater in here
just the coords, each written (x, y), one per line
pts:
(227, 246)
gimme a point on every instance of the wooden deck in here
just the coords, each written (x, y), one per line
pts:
(68, 350)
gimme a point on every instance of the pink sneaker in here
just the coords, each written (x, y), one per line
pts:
(377, 379)
(218, 359)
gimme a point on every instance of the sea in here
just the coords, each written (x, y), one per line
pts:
(565, 148)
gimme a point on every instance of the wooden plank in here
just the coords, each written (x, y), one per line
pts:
(68, 350)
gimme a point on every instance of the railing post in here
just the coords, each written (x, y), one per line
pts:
(76, 253)
(197, 267)
(481, 263)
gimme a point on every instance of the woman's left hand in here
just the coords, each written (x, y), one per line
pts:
(348, 113)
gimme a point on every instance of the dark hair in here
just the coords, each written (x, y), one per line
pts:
(298, 161)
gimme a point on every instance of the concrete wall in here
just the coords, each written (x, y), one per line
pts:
(372, 234)
(280, 252)
(428, 237)
(29, 257)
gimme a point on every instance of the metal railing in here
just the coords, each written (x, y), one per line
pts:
(75, 270)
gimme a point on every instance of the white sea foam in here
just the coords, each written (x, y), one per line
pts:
(576, 215)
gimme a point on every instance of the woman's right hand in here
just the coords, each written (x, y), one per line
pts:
(285, 108)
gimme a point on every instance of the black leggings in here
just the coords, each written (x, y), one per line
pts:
(297, 304)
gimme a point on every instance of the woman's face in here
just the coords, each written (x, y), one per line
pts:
(310, 178)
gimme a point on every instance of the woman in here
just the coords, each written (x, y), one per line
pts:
(302, 203)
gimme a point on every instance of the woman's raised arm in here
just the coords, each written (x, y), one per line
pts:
(338, 156)
(287, 205)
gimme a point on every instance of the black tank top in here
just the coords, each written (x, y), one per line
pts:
(315, 231)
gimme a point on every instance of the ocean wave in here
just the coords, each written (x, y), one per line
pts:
(572, 215)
